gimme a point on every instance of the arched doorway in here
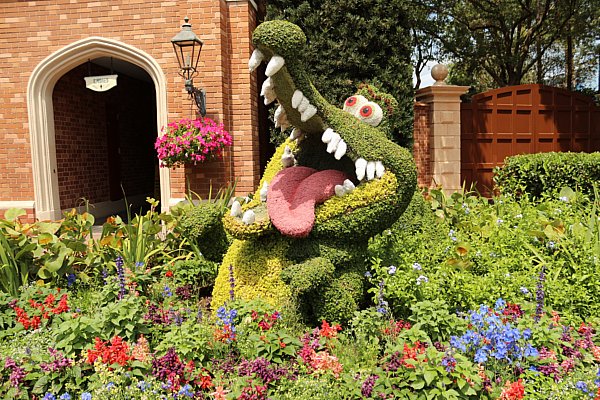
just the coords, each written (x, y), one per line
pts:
(104, 140)
(42, 119)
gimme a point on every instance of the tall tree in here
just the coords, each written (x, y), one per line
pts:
(506, 38)
(350, 42)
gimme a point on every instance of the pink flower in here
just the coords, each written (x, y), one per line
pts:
(198, 140)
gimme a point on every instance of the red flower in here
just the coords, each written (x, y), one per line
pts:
(329, 331)
(205, 380)
(169, 274)
(116, 351)
(62, 305)
(513, 391)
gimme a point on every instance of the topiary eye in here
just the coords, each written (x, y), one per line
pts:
(350, 101)
(366, 111)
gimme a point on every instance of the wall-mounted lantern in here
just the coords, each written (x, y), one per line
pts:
(187, 48)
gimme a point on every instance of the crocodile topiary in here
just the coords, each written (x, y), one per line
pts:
(336, 182)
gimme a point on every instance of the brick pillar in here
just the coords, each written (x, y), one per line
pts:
(244, 96)
(444, 144)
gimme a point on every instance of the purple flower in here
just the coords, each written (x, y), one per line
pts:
(382, 305)
(539, 295)
(449, 362)
(367, 387)
(121, 276)
(17, 374)
(231, 283)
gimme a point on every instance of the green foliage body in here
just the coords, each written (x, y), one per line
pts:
(320, 275)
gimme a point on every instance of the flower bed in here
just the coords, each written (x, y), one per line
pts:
(495, 301)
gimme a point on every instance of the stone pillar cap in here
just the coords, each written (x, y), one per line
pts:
(439, 73)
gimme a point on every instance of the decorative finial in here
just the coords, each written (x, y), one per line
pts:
(439, 72)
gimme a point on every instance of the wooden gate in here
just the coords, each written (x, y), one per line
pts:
(519, 120)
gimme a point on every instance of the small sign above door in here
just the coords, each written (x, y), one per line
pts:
(101, 83)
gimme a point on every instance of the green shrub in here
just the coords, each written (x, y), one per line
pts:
(203, 227)
(537, 174)
(200, 273)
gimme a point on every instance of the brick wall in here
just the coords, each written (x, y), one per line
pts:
(80, 132)
(422, 137)
(45, 27)
(235, 93)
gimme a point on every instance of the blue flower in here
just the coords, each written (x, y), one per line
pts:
(457, 343)
(422, 279)
(392, 269)
(417, 267)
(167, 292)
(49, 396)
(86, 396)
(368, 275)
(65, 396)
(551, 245)
(524, 290)
(581, 385)
(71, 278)
(110, 385)
(480, 356)
(500, 305)
(452, 235)
(186, 391)
(143, 385)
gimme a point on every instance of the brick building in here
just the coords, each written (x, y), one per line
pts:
(61, 142)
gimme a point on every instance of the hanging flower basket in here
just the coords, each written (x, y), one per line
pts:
(191, 141)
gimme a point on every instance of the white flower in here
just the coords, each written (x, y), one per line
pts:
(422, 279)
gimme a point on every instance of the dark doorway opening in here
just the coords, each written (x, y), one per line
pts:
(105, 140)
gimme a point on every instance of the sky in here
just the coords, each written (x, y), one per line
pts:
(426, 79)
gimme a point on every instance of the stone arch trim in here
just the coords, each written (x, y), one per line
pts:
(41, 113)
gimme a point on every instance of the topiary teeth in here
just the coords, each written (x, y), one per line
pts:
(297, 98)
(274, 65)
(308, 113)
(236, 209)
(361, 168)
(255, 59)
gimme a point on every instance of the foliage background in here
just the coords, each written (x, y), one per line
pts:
(354, 42)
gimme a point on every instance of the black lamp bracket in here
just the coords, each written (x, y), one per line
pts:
(199, 96)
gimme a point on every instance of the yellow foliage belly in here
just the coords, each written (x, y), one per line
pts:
(257, 268)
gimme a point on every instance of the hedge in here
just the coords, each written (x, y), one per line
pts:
(545, 173)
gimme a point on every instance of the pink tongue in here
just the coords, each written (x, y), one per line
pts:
(293, 194)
